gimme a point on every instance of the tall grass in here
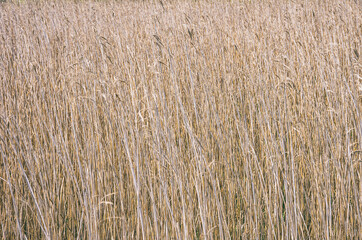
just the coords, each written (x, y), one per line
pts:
(181, 120)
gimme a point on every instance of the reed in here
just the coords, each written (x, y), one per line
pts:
(180, 120)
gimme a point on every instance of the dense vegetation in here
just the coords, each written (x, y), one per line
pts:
(181, 120)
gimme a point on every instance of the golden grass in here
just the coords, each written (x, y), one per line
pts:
(181, 120)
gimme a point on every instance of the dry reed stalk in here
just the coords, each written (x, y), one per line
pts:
(180, 120)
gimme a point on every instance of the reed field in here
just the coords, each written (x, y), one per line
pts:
(181, 119)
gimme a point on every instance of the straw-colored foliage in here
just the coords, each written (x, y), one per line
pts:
(181, 120)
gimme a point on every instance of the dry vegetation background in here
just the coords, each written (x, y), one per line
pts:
(181, 120)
